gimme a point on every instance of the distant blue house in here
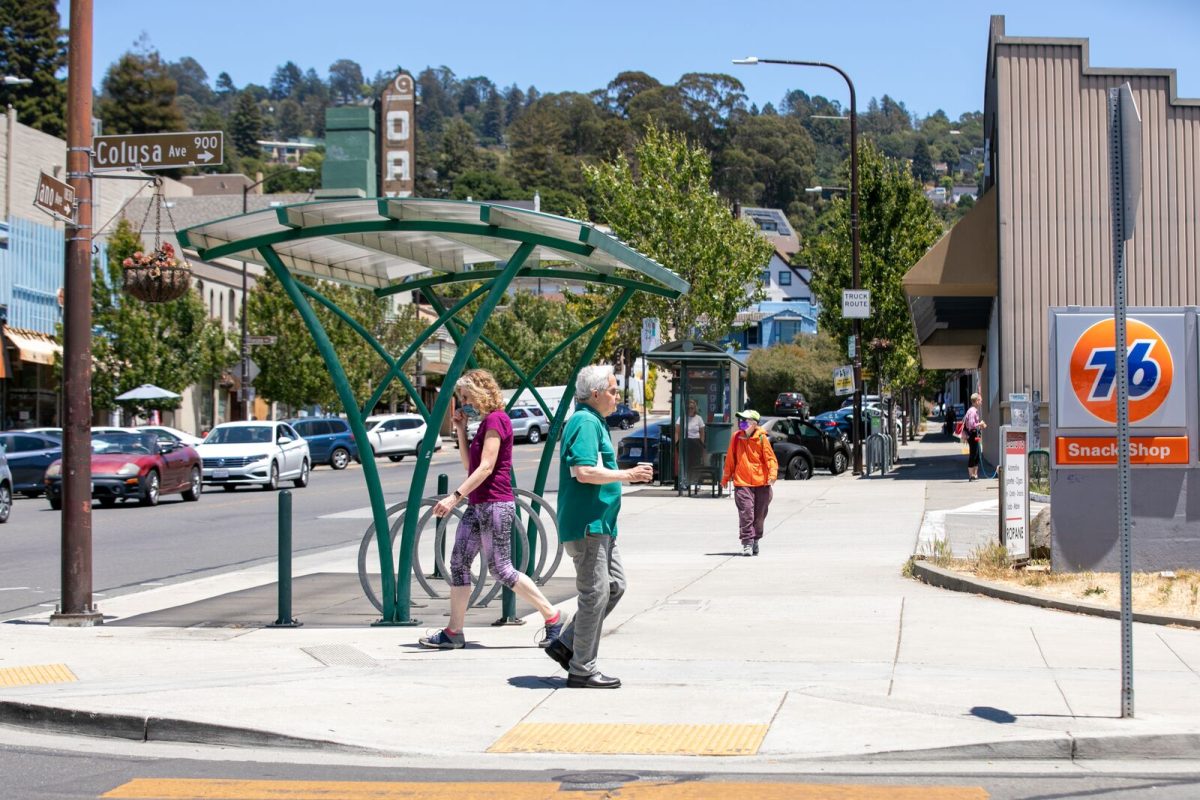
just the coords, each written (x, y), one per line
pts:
(771, 323)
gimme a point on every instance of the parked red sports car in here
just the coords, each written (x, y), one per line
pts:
(134, 465)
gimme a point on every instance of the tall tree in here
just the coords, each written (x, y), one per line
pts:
(191, 80)
(345, 81)
(246, 126)
(286, 81)
(666, 209)
(898, 226)
(172, 345)
(139, 96)
(33, 46)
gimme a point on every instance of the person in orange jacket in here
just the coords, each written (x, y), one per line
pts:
(752, 467)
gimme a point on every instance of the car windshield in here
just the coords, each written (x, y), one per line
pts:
(132, 443)
(240, 434)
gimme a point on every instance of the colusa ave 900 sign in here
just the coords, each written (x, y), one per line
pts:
(159, 150)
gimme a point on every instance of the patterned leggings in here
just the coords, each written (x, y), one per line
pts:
(485, 526)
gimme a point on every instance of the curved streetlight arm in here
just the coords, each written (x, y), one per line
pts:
(854, 237)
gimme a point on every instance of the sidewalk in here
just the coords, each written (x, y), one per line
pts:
(817, 649)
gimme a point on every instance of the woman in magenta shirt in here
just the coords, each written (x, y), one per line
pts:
(491, 509)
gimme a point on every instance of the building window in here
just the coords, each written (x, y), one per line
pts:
(766, 278)
(752, 336)
(785, 277)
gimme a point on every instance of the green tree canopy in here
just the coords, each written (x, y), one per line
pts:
(664, 207)
(805, 366)
(897, 227)
(139, 96)
(32, 45)
(172, 345)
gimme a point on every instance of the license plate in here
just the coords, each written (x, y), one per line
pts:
(635, 452)
(220, 473)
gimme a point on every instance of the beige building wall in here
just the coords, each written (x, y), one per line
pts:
(1049, 123)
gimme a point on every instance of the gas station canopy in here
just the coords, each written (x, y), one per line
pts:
(383, 243)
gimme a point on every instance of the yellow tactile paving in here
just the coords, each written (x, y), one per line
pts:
(632, 738)
(35, 675)
(199, 789)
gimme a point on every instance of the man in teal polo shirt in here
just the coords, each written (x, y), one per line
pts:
(589, 499)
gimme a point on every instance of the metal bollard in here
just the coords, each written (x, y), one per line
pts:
(285, 619)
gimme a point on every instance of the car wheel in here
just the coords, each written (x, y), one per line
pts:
(535, 435)
(107, 502)
(339, 458)
(273, 481)
(229, 487)
(838, 466)
(5, 502)
(395, 458)
(150, 489)
(798, 469)
(302, 481)
(55, 502)
(195, 486)
(624, 424)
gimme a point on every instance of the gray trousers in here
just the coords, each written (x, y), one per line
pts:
(600, 580)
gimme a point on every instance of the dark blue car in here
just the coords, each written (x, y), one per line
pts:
(28, 456)
(623, 417)
(330, 440)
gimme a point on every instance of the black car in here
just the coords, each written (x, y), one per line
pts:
(634, 448)
(28, 456)
(791, 404)
(801, 446)
(623, 417)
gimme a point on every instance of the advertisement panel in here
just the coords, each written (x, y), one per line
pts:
(1015, 491)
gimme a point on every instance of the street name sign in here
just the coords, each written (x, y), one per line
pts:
(856, 303)
(256, 340)
(159, 150)
(55, 197)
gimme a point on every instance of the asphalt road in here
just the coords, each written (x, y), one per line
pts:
(135, 546)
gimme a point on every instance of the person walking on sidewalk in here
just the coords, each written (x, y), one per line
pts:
(753, 468)
(972, 425)
(589, 500)
(491, 509)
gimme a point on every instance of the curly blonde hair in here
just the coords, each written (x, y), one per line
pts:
(481, 390)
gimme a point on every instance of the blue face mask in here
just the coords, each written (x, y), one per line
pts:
(470, 411)
(744, 425)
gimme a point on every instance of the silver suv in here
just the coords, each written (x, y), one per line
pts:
(528, 422)
(6, 487)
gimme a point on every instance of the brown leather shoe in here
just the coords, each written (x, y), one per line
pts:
(595, 681)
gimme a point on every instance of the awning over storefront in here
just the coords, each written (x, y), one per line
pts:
(33, 347)
(951, 289)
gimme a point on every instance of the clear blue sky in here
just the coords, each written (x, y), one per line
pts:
(927, 54)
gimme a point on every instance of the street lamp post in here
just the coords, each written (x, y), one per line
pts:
(854, 246)
(245, 388)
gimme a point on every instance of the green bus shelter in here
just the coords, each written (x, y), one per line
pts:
(392, 245)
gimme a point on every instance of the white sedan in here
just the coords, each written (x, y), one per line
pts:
(397, 435)
(258, 453)
(167, 432)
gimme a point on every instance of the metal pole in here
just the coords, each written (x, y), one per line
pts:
(245, 387)
(76, 608)
(285, 619)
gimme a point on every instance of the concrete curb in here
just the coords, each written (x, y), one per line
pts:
(102, 724)
(948, 579)
(1167, 746)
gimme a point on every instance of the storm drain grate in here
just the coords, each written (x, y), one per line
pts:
(36, 675)
(340, 655)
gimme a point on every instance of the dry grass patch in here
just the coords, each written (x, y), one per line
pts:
(1169, 593)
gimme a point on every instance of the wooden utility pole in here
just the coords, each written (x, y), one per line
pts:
(76, 608)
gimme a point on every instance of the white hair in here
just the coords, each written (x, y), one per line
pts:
(593, 378)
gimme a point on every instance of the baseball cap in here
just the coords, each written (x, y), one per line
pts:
(749, 413)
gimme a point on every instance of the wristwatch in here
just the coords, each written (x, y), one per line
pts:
(458, 494)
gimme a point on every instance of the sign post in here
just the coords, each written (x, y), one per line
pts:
(158, 150)
(1125, 154)
(651, 340)
(56, 198)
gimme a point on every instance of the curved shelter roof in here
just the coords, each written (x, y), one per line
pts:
(386, 243)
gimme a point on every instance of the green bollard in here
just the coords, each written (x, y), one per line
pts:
(443, 488)
(285, 619)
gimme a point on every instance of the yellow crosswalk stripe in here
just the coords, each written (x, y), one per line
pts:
(227, 789)
(632, 738)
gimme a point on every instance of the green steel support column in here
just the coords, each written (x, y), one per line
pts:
(394, 365)
(346, 395)
(602, 325)
(440, 307)
(464, 356)
(398, 364)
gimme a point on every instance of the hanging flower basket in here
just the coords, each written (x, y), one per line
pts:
(157, 277)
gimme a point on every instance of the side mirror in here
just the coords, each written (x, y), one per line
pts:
(167, 446)
(285, 440)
